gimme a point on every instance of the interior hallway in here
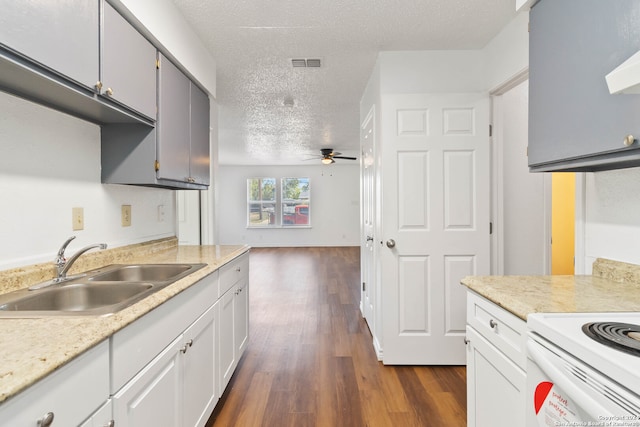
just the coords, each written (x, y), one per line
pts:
(310, 359)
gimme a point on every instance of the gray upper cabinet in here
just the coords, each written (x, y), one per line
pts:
(200, 155)
(60, 35)
(128, 65)
(174, 154)
(575, 124)
(173, 122)
(183, 127)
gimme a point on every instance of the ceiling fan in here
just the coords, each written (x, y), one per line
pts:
(328, 156)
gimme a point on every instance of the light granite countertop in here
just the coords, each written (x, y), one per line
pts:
(31, 349)
(613, 287)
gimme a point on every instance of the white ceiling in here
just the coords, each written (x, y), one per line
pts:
(253, 42)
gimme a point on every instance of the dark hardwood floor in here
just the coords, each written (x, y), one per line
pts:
(310, 359)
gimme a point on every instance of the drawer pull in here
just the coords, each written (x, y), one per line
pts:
(238, 269)
(110, 424)
(492, 324)
(46, 420)
(466, 340)
(188, 344)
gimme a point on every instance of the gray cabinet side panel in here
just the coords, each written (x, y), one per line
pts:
(128, 154)
(128, 64)
(574, 44)
(62, 35)
(200, 152)
(173, 122)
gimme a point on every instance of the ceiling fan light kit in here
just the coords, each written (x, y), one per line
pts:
(329, 156)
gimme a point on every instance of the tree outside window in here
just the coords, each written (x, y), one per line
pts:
(295, 202)
(261, 202)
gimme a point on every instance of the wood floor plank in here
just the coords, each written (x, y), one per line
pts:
(310, 359)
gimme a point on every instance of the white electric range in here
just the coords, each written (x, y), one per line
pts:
(581, 375)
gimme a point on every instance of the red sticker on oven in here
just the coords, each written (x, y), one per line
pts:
(542, 391)
(553, 407)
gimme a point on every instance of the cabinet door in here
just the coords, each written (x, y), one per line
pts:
(173, 122)
(200, 388)
(241, 317)
(495, 386)
(226, 348)
(128, 65)
(200, 153)
(154, 396)
(101, 418)
(574, 44)
(62, 35)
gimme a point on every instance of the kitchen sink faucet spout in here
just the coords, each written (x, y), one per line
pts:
(63, 265)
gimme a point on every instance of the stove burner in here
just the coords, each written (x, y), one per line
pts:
(621, 336)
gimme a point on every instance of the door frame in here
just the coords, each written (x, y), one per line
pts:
(497, 180)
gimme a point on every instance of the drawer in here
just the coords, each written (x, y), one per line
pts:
(71, 393)
(231, 272)
(502, 329)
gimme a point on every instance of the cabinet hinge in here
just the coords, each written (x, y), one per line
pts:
(156, 165)
(364, 286)
(490, 130)
(491, 228)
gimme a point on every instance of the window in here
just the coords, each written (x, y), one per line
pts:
(295, 201)
(268, 207)
(261, 202)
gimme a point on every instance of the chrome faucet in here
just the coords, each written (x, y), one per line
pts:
(63, 265)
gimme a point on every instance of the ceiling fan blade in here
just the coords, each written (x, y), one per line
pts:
(346, 158)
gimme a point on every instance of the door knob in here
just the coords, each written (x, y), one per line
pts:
(391, 243)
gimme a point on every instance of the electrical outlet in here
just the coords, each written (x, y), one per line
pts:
(77, 218)
(126, 215)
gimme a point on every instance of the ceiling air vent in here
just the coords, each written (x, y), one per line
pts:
(308, 63)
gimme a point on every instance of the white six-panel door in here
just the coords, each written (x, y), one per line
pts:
(435, 220)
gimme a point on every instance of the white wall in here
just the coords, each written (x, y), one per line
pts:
(507, 54)
(335, 206)
(50, 163)
(612, 219)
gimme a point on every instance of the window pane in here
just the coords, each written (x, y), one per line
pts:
(262, 214)
(261, 189)
(295, 201)
(261, 202)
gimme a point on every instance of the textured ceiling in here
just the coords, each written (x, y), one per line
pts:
(253, 42)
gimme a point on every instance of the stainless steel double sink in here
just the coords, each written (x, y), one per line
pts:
(100, 292)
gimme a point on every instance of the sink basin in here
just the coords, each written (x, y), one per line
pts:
(99, 292)
(81, 298)
(143, 273)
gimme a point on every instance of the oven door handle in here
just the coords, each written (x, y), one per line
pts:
(579, 397)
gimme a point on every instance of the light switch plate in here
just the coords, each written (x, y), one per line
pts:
(126, 215)
(77, 219)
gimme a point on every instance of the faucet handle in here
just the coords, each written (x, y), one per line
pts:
(60, 256)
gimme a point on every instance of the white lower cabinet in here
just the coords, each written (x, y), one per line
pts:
(496, 362)
(67, 397)
(234, 329)
(103, 417)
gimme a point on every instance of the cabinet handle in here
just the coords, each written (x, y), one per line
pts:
(492, 324)
(98, 85)
(188, 344)
(109, 91)
(238, 269)
(466, 341)
(628, 140)
(46, 420)
(110, 424)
